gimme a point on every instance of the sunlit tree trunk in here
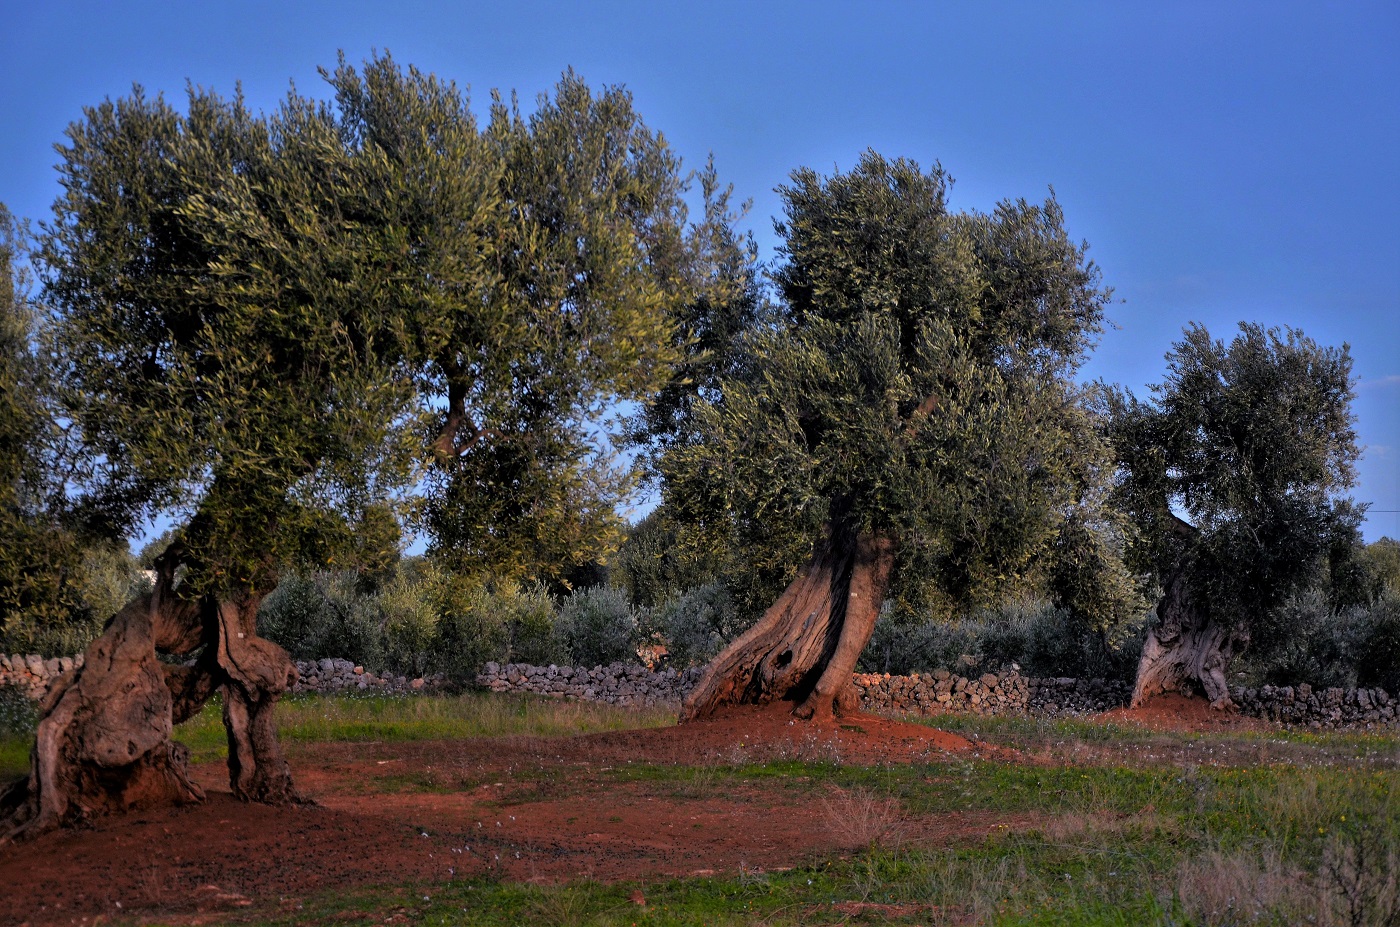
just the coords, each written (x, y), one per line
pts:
(1187, 651)
(104, 741)
(804, 648)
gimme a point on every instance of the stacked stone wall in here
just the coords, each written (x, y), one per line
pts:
(616, 684)
(1008, 692)
(1304, 706)
(335, 675)
(31, 673)
(939, 692)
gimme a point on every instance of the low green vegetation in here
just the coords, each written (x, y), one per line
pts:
(1059, 822)
(1283, 843)
(344, 718)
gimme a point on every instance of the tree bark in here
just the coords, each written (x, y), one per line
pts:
(103, 743)
(804, 648)
(258, 672)
(1187, 650)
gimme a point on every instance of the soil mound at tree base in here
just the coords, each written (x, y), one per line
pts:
(1176, 711)
(768, 732)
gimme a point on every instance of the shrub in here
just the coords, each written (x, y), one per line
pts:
(650, 565)
(504, 622)
(697, 625)
(405, 609)
(421, 619)
(1378, 644)
(902, 644)
(1306, 640)
(1041, 638)
(324, 615)
(470, 628)
(597, 626)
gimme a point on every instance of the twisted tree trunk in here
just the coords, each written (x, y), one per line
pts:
(1187, 650)
(804, 648)
(104, 744)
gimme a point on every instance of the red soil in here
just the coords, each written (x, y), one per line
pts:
(526, 808)
(1174, 711)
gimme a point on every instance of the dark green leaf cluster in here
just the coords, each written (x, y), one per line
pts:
(1237, 468)
(652, 564)
(39, 559)
(283, 325)
(915, 380)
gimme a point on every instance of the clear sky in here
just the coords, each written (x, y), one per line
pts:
(1225, 161)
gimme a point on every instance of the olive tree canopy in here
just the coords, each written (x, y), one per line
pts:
(285, 328)
(904, 420)
(1234, 472)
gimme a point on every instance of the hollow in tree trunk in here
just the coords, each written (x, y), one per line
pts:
(804, 648)
(1187, 651)
(104, 744)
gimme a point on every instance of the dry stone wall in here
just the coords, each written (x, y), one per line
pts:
(1008, 692)
(335, 675)
(31, 673)
(616, 684)
(939, 692)
(1319, 708)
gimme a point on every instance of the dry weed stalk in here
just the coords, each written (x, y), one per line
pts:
(1362, 874)
(860, 818)
(1243, 889)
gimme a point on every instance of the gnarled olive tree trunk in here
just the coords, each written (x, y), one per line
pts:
(104, 742)
(1187, 650)
(805, 647)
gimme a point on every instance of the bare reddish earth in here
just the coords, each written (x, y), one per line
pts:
(1173, 711)
(526, 808)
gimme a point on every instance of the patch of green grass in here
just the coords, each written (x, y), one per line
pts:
(14, 757)
(358, 718)
(431, 717)
(17, 720)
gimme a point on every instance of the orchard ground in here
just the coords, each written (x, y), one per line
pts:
(494, 810)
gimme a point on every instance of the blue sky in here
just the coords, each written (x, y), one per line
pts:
(1225, 161)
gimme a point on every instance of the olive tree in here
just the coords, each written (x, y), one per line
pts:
(280, 327)
(1234, 472)
(902, 423)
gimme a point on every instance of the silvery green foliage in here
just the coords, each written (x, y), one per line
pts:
(698, 624)
(419, 620)
(1315, 642)
(504, 622)
(902, 644)
(1236, 469)
(325, 615)
(597, 626)
(914, 378)
(1041, 638)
